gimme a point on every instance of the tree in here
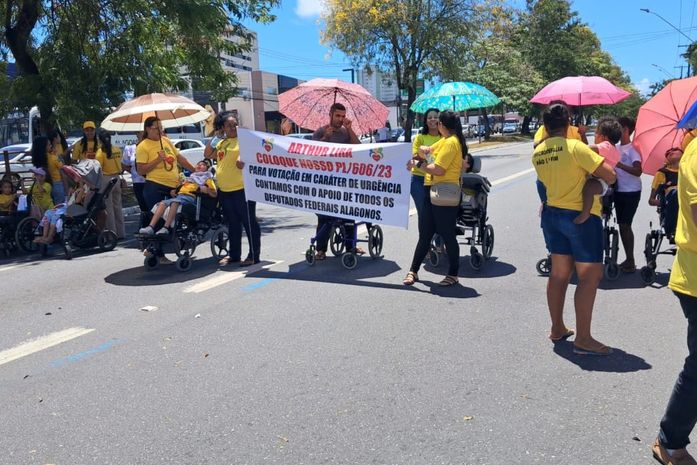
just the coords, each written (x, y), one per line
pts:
(399, 36)
(82, 56)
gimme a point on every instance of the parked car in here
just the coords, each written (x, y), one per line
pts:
(395, 133)
(191, 149)
(19, 156)
(510, 128)
(414, 133)
(301, 135)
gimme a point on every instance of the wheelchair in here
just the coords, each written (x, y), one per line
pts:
(668, 220)
(339, 237)
(192, 224)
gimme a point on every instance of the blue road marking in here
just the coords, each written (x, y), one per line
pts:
(262, 283)
(86, 354)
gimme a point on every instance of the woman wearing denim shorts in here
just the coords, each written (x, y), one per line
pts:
(563, 165)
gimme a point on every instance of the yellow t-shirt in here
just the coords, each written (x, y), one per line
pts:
(419, 140)
(54, 166)
(164, 173)
(228, 175)
(687, 138)
(78, 154)
(563, 165)
(191, 188)
(447, 153)
(42, 199)
(660, 178)
(571, 133)
(683, 277)
(110, 166)
(7, 203)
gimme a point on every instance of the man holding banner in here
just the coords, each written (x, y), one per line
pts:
(338, 131)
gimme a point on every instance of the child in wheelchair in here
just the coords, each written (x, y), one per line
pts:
(201, 181)
(664, 192)
(50, 221)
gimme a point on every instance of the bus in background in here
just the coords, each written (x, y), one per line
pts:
(19, 127)
(190, 131)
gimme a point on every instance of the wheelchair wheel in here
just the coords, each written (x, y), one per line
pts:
(611, 271)
(544, 266)
(68, 250)
(107, 240)
(219, 243)
(648, 276)
(349, 260)
(375, 239)
(433, 256)
(648, 246)
(488, 241)
(336, 241)
(151, 263)
(25, 234)
(310, 255)
(184, 263)
(185, 247)
(476, 260)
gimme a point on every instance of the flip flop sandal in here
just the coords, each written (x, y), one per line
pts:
(410, 279)
(563, 337)
(448, 281)
(601, 353)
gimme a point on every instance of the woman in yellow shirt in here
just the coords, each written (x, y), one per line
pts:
(237, 210)
(55, 162)
(109, 157)
(88, 145)
(158, 160)
(428, 136)
(447, 155)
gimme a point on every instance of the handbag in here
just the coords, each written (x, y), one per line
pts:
(445, 194)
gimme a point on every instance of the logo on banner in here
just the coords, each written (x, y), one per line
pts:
(376, 154)
(267, 144)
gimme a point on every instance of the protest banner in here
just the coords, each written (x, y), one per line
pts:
(366, 182)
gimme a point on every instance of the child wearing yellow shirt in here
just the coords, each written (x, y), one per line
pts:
(200, 181)
(7, 198)
(41, 191)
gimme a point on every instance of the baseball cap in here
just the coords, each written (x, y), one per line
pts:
(40, 171)
(89, 124)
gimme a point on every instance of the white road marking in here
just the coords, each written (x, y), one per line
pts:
(225, 278)
(512, 177)
(10, 267)
(41, 343)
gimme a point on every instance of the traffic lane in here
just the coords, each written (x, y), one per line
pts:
(361, 318)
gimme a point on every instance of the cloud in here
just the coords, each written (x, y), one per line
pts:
(643, 86)
(309, 8)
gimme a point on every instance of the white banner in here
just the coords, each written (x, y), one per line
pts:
(367, 182)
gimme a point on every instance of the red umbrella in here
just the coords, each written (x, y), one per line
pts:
(655, 127)
(308, 105)
(579, 91)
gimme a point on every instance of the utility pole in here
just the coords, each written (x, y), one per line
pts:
(352, 74)
(681, 68)
(646, 10)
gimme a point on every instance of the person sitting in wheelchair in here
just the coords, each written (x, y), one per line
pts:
(200, 181)
(49, 222)
(664, 189)
(8, 198)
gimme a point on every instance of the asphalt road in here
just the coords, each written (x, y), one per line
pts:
(292, 364)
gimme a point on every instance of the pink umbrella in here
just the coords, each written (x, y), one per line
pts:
(655, 129)
(308, 105)
(578, 91)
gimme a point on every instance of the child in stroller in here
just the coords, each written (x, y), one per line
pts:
(201, 181)
(664, 197)
(51, 217)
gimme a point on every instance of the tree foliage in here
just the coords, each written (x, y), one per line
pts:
(400, 36)
(82, 56)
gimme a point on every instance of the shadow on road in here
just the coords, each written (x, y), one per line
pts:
(491, 268)
(164, 274)
(617, 362)
(332, 272)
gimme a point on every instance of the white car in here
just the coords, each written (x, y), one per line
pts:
(414, 133)
(191, 149)
(301, 135)
(19, 156)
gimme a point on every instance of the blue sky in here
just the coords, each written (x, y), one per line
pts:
(641, 43)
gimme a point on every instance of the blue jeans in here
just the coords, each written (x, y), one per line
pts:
(584, 242)
(57, 192)
(155, 193)
(239, 213)
(681, 412)
(418, 193)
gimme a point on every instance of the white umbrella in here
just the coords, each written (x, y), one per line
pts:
(171, 109)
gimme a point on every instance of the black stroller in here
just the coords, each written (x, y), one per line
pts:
(80, 226)
(668, 221)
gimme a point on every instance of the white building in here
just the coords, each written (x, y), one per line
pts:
(381, 85)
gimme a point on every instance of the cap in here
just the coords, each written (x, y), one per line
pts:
(89, 124)
(40, 171)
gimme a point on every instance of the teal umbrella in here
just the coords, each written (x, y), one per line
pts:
(455, 96)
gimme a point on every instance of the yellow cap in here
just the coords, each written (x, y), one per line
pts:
(89, 124)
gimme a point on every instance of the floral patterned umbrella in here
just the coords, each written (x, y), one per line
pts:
(308, 105)
(455, 96)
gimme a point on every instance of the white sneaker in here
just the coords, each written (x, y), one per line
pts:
(147, 231)
(163, 232)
